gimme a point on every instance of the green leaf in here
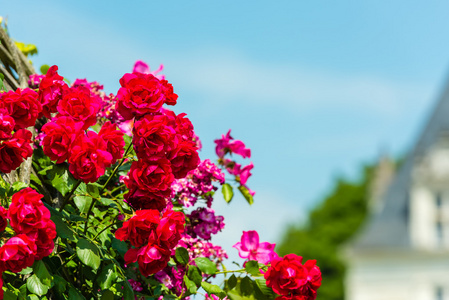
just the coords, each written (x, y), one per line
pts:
(88, 253)
(61, 179)
(17, 186)
(206, 265)
(252, 267)
(107, 277)
(246, 286)
(26, 271)
(228, 192)
(232, 282)
(107, 295)
(182, 255)
(2, 77)
(9, 295)
(35, 286)
(246, 194)
(35, 179)
(234, 295)
(75, 295)
(194, 274)
(261, 289)
(60, 285)
(120, 246)
(190, 285)
(41, 271)
(128, 293)
(213, 289)
(44, 69)
(62, 229)
(83, 203)
(32, 297)
(93, 191)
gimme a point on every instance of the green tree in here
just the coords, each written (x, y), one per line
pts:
(331, 224)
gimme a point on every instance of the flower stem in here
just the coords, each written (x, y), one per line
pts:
(86, 225)
(67, 196)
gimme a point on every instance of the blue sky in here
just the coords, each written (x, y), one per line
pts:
(315, 88)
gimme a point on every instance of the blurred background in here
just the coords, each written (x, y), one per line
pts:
(335, 99)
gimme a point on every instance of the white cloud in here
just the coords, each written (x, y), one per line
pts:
(231, 77)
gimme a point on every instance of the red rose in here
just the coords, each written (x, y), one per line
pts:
(180, 123)
(44, 239)
(14, 151)
(22, 105)
(6, 126)
(141, 228)
(150, 176)
(184, 159)
(287, 276)
(78, 104)
(1, 284)
(139, 95)
(170, 96)
(27, 212)
(170, 228)
(115, 143)
(88, 157)
(151, 258)
(139, 199)
(184, 127)
(152, 137)
(59, 135)
(3, 219)
(51, 91)
(17, 253)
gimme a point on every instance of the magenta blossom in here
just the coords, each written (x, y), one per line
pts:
(142, 67)
(250, 248)
(236, 169)
(227, 144)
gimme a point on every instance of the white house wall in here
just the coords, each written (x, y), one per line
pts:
(398, 277)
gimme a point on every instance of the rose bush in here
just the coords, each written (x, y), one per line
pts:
(118, 204)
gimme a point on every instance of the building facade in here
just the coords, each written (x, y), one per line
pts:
(402, 253)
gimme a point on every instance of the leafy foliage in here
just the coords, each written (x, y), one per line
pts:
(331, 225)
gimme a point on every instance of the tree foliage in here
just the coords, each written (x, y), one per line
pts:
(330, 225)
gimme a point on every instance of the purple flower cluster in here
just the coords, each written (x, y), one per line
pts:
(197, 247)
(204, 223)
(198, 183)
(136, 286)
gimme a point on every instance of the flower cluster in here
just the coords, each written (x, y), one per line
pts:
(18, 110)
(71, 111)
(197, 247)
(172, 277)
(165, 150)
(151, 213)
(198, 183)
(228, 145)
(153, 236)
(30, 220)
(204, 223)
(291, 279)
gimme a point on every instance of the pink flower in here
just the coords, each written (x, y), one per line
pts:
(213, 297)
(227, 144)
(237, 170)
(250, 248)
(142, 67)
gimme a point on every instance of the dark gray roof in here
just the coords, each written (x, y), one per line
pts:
(389, 227)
